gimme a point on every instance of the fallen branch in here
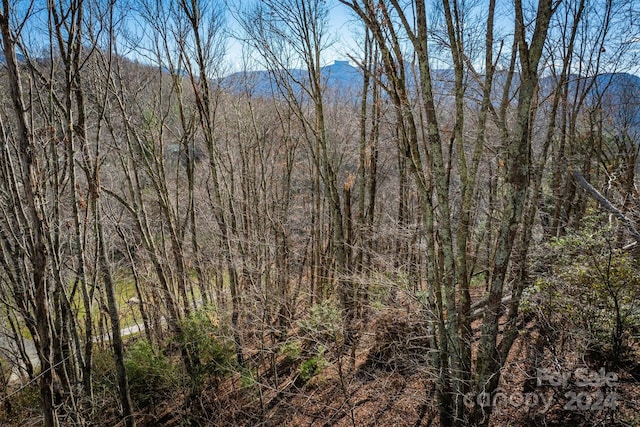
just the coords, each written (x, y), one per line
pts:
(606, 204)
(478, 308)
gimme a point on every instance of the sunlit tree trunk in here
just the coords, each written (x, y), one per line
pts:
(33, 211)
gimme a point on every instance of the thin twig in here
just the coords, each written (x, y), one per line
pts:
(34, 379)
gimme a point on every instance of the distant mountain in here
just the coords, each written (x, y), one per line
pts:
(617, 95)
(621, 88)
(339, 77)
(3, 60)
(343, 77)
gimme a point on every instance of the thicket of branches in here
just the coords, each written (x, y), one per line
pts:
(234, 220)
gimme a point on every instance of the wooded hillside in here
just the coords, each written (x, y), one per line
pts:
(440, 230)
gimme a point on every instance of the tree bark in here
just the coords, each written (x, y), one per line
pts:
(38, 257)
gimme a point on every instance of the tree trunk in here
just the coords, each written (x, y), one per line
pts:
(37, 241)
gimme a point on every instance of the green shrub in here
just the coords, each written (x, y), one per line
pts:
(313, 366)
(324, 324)
(210, 351)
(592, 288)
(249, 379)
(292, 349)
(104, 372)
(151, 375)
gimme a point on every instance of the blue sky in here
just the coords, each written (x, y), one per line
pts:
(343, 28)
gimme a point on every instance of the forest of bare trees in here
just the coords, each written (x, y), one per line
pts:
(449, 238)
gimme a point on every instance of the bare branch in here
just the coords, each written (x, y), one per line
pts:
(606, 203)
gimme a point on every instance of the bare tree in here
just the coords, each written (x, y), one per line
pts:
(294, 32)
(25, 178)
(448, 271)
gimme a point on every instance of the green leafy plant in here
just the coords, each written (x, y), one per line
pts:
(210, 349)
(291, 349)
(324, 324)
(313, 366)
(591, 286)
(249, 379)
(151, 375)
